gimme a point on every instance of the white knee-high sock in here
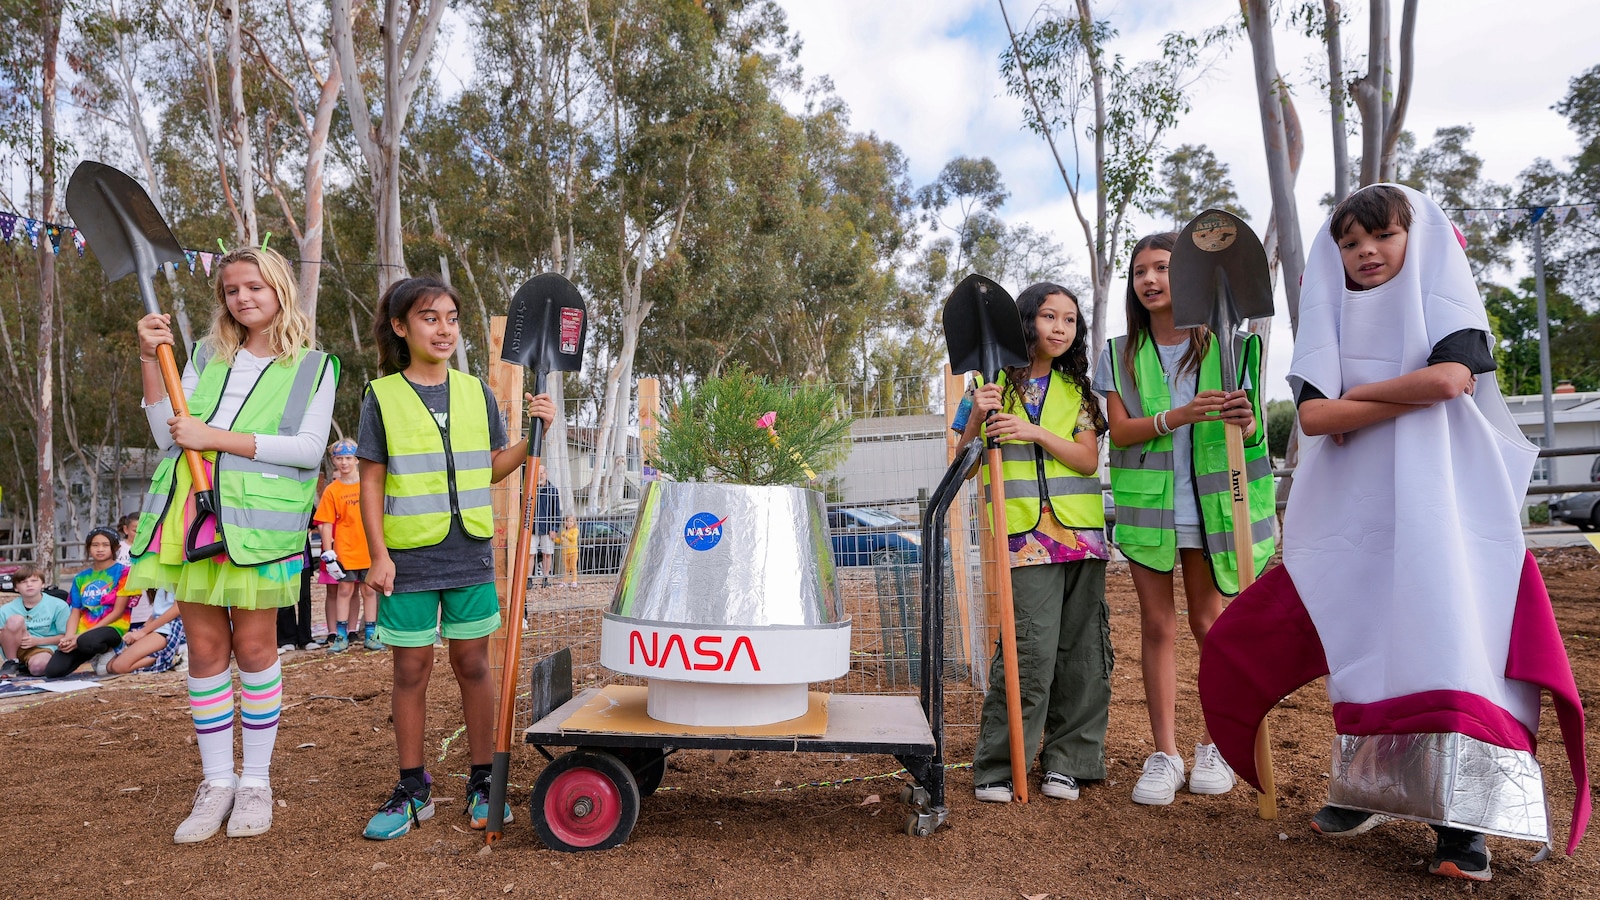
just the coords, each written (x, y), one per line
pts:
(211, 705)
(262, 697)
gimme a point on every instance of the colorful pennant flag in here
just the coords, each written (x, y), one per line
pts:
(8, 226)
(205, 261)
(79, 241)
(189, 255)
(53, 232)
(31, 228)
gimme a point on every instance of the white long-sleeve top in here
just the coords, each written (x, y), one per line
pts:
(303, 450)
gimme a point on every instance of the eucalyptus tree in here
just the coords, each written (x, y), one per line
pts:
(1192, 180)
(1102, 117)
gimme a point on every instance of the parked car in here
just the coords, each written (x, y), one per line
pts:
(866, 536)
(1582, 510)
(603, 542)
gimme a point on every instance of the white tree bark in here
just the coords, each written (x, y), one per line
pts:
(238, 128)
(1272, 97)
(407, 44)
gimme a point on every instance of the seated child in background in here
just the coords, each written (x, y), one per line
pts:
(98, 616)
(32, 624)
(155, 646)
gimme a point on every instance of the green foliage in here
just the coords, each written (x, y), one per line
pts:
(710, 432)
(1574, 339)
(1539, 514)
(1193, 180)
(1280, 422)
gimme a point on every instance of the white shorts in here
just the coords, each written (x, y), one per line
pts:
(544, 543)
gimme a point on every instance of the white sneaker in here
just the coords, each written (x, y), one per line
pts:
(252, 812)
(212, 803)
(102, 662)
(1163, 775)
(286, 648)
(1059, 786)
(1211, 773)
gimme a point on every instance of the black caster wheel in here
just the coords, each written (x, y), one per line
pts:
(648, 765)
(585, 800)
(908, 795)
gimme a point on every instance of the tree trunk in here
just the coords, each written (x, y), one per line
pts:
(1395, 114)
(1272, 98)
(1336, 100)
(44, 531)
(1100, 262)
(311, 236)
(239, 127)
(1369, 93)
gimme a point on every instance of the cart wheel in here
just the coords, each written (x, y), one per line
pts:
(911, 825)
(585, 800)
(908, 795)
(648, 765)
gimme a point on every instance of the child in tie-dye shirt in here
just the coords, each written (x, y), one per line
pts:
(98, 617)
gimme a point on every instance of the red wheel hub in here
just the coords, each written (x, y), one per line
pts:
(582, 807)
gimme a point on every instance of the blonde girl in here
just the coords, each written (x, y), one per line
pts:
(260, 401)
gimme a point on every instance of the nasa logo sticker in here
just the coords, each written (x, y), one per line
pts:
(703, 531)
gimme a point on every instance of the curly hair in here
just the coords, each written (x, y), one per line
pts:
(1073, 364)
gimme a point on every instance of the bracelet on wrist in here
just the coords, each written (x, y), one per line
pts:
(1162, 428)
(146, 359)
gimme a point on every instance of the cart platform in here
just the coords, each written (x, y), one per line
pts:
(857, 723)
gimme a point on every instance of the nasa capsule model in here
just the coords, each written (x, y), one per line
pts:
(728, 603)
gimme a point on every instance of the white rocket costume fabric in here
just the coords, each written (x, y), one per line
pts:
(1404, 562)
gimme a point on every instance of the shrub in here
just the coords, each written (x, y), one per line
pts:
(711, 431)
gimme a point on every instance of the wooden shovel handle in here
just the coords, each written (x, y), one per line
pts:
(180, 406)
(1008, 628)
(1245, 563)
(516, 601)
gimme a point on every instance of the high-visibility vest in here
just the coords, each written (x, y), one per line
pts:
(265, 508)
(1029, 473)
(1142, 476)
(435, 474)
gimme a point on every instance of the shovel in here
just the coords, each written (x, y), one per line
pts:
(1219, 278)
(545, 329)
(984, 333)
(129, 236)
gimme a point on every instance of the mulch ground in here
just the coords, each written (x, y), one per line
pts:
(95, 782)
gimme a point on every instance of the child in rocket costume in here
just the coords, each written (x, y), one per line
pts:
(1405, 577)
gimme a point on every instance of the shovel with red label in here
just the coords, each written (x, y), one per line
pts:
(545, 330)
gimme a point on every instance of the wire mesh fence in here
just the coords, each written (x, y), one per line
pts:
(877, 496)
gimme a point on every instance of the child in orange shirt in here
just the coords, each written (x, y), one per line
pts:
(344, 552)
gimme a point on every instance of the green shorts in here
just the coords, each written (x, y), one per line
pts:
(461, 614)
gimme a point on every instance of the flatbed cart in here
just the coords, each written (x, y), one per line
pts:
(588, 798)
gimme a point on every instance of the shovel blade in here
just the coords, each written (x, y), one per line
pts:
(1216, 249)
(546, 326)
(982, 330)
(119, 221)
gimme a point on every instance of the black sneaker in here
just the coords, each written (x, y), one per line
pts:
(1336, 821)
(993, 792)
(1461, 854)
(1059, 786)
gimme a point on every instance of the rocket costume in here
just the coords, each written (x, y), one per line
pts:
(1405, 577)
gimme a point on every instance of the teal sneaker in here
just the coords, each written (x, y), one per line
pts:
(407, 806)
(374, 645)
(478, 805)
(339, 644)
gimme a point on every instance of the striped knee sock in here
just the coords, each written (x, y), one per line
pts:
(211, 705)
(262, 697)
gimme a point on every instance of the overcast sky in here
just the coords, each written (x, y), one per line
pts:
(925, 74)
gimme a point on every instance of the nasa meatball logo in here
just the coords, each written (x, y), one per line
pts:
(703, 531)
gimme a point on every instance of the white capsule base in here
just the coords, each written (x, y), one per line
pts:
(725, 705)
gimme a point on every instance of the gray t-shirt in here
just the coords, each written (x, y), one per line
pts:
(459, 560)
(1182, 386)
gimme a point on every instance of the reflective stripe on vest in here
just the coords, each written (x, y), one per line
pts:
(1029, 472)
(264, 508)
(1142, 476)
(425, 482)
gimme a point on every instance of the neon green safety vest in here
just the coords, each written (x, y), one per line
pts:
(428, 480)
(1142, 476)
(1030, 473)
(265, 507)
